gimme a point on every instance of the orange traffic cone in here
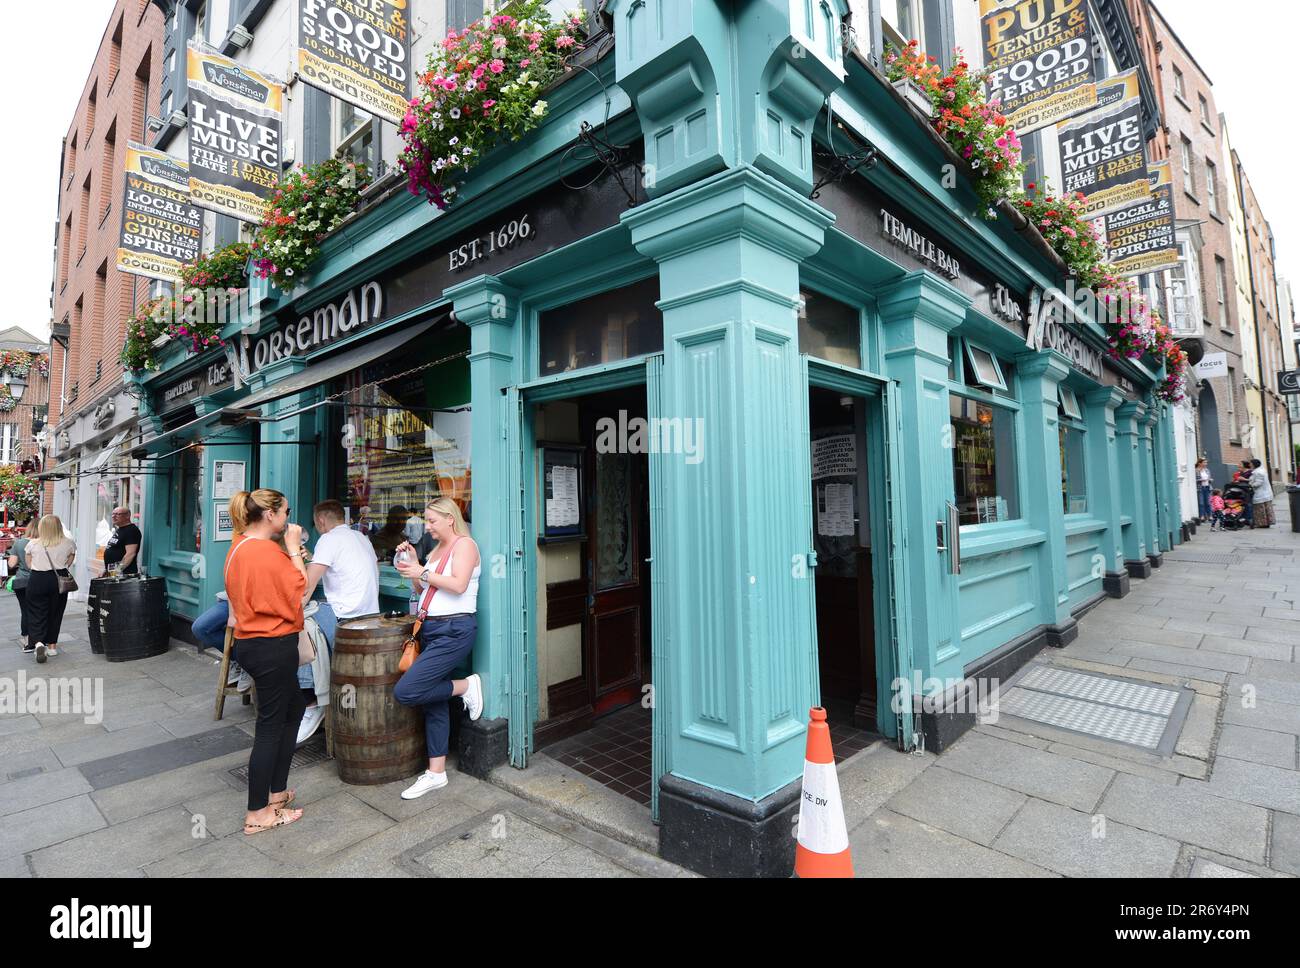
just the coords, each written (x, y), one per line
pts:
(823, 845)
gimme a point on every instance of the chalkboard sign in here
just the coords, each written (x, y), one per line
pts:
(564, 516)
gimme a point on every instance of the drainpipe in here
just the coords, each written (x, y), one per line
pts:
(1259, 346)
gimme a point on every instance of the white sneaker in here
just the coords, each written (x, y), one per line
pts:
(40, 651)
(51, 650)
(245, 681)
(425, 782)
(473, 697)
(233, 674)
(311, 720)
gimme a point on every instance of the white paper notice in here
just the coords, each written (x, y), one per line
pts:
(834, 457)
(562, 502)
(835, 510)
(227, 479)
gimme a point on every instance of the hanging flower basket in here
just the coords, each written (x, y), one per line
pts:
(308, 205)
(226, 268)
(19, 494)
(482, 87)
(7, 400)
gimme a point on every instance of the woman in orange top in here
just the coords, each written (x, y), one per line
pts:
(265, 585)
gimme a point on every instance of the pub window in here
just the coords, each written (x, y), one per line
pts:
(353, 138)
(1074, 483)
(616, 325)
(928, 22)
(983, 460)
(405, 434)
(1178, 83)
(1069, 403)
(984, 368)
(829, 329)
(189, 480)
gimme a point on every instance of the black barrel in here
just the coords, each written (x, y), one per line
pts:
(93, 619)
(133, 618)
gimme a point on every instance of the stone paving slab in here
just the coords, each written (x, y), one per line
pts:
(18, 766)
(1036, 773)
(162, 756)
(125, 801)
(1266, 786)
(1236, 645)
(1285, 853)
(120, 850)
(1208, 868)
(962, 805)
(1274, 690)
(1066, 841)
(1187, 814)
(48, 824)
(43, 788)
(889, 844)
(326, 827)
(1258, 746)
(1265, 714)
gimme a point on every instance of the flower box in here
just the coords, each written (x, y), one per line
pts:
(915, 96)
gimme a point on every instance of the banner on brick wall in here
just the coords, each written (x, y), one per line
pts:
(235, 133)
(1039, 55)
(358, 52)
(161, 227)
(1103, 153)
(1140, 236)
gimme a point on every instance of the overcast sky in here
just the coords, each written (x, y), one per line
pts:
(1245, 46)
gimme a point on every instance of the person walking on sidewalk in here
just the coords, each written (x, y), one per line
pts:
(1216, 510)
(21, 576)
(449, 607)
(1261, 497)
(265, 585)
(48, 557)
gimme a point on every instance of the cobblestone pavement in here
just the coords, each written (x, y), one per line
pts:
(153, 788)
(1220, 619)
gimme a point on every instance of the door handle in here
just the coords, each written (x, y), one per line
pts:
(954, 539)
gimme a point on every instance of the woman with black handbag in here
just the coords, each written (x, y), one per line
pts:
(49, 558)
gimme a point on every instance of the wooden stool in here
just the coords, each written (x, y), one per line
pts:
(224, 690)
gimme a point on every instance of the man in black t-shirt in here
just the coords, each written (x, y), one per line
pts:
(124, 546)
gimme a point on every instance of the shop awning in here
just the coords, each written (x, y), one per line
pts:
(58, 472)
(102, 458)
(314, 375)
(335, 366)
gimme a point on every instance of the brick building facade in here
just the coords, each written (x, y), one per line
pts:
(89, 408)
(1204, 285)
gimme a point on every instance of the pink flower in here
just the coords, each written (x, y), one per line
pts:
(497, 66)
(563, 41)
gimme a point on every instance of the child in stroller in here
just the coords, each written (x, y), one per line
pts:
(1235, 496)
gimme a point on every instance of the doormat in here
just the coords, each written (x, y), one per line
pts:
(1125, 711)
(308, 754)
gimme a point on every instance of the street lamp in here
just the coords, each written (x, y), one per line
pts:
(16, 384)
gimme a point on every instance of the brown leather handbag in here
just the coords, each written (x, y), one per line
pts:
(411, 647)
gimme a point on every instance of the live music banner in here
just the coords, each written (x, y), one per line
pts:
(358, 52)
(1140, 236)
(235, 135)
(1039, 56)
(1103, 153)
(161, 228)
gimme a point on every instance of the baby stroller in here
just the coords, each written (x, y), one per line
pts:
(1234, 505)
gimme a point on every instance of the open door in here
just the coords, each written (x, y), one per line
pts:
(659, 611)
(522, 677)
(896, 592)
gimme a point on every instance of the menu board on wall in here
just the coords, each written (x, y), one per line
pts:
(235, 132)
(562, 493)
(161, 229)
(1039, 55)
(357, 52)
(1103, 153)
(1140, 236)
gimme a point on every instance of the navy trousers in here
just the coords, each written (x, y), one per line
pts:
(444, 644)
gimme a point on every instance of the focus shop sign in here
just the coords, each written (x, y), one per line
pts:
(357, 52)
(161, 230)
(1039, 54)
(234, 117)
(1103, 153)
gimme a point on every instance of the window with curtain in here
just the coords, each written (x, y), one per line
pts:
(983, 436)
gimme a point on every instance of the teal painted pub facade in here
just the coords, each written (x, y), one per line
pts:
(766, 172)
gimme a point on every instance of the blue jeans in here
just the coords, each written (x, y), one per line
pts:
(327, 623)
(1203, 500)
(444, 644)
(210, 627)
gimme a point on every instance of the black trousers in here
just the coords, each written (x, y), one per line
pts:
(273, 664)
(21, 595)
(44, 608)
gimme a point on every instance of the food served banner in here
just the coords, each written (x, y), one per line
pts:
(357, 52)
(1039, 55)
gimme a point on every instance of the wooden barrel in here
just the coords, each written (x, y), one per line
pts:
(376, 740)
(133, 617)
(93, 619)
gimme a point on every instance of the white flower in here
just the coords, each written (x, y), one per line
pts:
(455, 114)
(466, 150)
(539, 109)
(288, 272)
(454, 141)
(532, 84)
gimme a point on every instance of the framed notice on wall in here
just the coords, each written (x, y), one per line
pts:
(223, 529)
(563, 499)
(227, 479)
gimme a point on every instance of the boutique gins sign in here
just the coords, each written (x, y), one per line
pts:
(161, 230)
(235, 132)
(358, 51)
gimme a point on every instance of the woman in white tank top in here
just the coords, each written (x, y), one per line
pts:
(448, 625)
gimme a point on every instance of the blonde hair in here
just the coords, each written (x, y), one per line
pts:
(49, 531)
(248, 507)
(446, 506)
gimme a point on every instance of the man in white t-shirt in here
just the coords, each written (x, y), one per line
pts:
(344, 562)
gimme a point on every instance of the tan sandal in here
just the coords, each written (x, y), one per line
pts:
(288, 799)
(282, 819)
